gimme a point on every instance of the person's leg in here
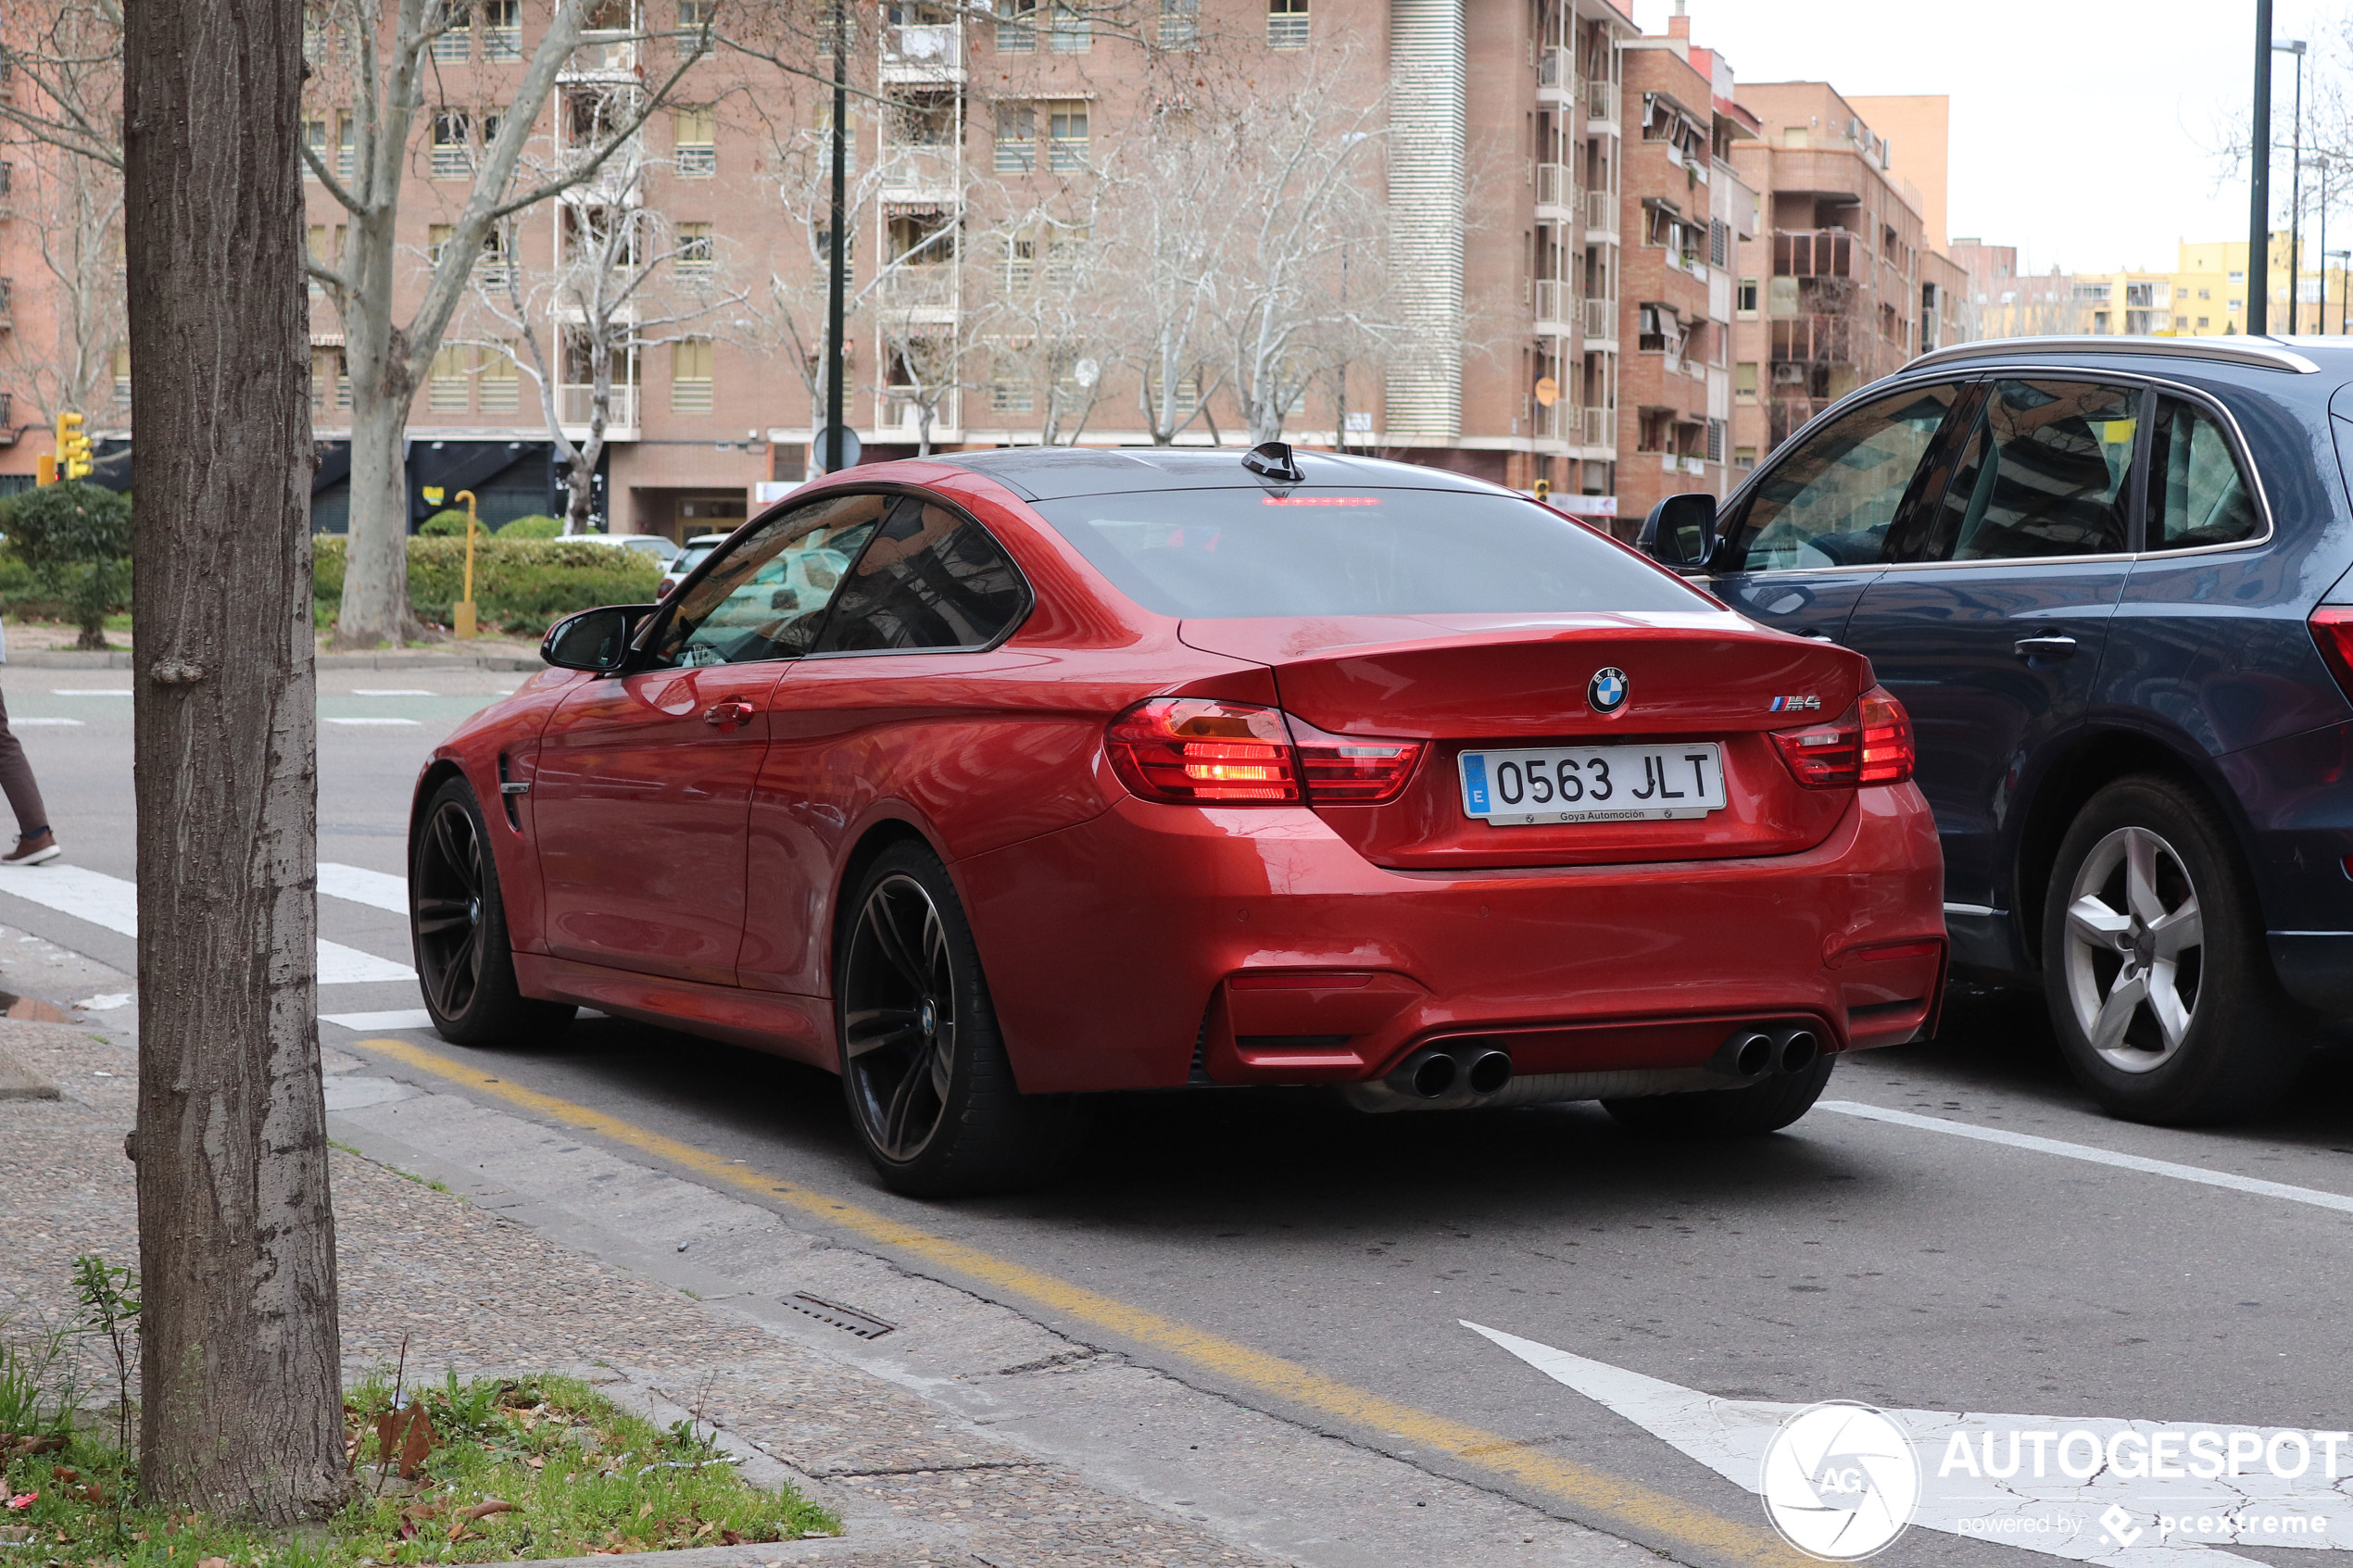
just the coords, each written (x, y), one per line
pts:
(16, 782)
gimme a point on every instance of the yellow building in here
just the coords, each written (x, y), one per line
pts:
(2210, 289)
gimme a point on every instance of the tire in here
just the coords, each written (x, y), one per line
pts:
(2161, 1018)
(457, 930)
(1725, 1114)
(923, 1068)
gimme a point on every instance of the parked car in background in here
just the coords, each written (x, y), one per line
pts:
(2107, 578)
(991, 780)
(696, 550)
(664, 550)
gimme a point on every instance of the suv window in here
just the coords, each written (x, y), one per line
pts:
(766, 596)
(930, 579)
(2046, 472)
(2196, 493)
(1832, 500)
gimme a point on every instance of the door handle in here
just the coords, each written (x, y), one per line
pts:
(734, 710)
(2045, 647)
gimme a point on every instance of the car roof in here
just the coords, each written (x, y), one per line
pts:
(2294, 356)
(1042, 473)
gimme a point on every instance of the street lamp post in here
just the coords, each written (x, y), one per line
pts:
(2259, 193)
(838, 255)
(2296, 187)
(2344, 286)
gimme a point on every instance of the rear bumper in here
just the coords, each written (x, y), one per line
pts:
(1155, 946)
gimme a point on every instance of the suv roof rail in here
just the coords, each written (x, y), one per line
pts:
(2261, 353)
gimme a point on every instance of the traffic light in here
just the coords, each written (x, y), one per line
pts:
(73, 448)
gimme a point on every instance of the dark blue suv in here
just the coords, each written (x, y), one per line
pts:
(2109, 579)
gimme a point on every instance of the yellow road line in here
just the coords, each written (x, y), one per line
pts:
(1652, 1517)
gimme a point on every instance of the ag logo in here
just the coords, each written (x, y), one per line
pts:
(1607, 691)
(1841, 1481)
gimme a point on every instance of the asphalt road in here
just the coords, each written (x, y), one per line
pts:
(1902, 1265)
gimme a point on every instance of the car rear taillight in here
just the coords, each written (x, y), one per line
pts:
(663, 592)
(2333, 634)
(1199, 751)
(1869, 743)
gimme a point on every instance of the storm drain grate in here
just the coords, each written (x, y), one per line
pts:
(865, 1326)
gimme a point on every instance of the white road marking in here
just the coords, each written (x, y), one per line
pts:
(2092, 1155)
(89, 691)
(390, 691)
(375, 889)
(20, 724)
(111, 902)
(410, 721)
(2039, 1507)
(405, 1018)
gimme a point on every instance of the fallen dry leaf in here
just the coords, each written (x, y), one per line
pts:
(645, 1509)
(212, 1562)
(489, 1506)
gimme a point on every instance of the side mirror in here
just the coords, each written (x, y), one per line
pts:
(595, 640)
(1680, 532)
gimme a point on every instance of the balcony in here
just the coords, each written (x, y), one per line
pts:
(923, 52)
(1818, 339)
(931, 288)
(1601, 218)
(1600, 107)
(1555, 306)
(1600, 320)
(1556, 186)
(1813, 252)
(921, 172)
(572, 404)
(1556, 80)
(600, 57)
(1601, 427)
(7, 304)
(1688, 261)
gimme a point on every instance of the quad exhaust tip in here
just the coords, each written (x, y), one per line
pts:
(1471, 1069)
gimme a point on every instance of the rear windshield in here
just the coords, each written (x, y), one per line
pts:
(690, 557)
(1210, 553)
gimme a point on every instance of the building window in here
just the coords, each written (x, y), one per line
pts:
(698, 250)
(1017, 33)
(1744, 456)
(690, 376)
(2180, 323)
(1016, 138)
(1009, 398)
(330, 369)
(1797, 138)
(502, 29)
(452, 153)
(1067, 256)
(314, 137)
(2206, 293)
(695, 13)
(122, 375)
(346, 137)
(2234, 305)
(1072, 28)
(1021, 264)
(1745, 299)
(1718, 242)
(1180, 23)
(2203, 320)
(454, 44)
(693, 135)
(2234, 278)
(1287, 24)
(1066, 133)
(445, 391)
(498, 392)
(1744, 381)
(1714, 441)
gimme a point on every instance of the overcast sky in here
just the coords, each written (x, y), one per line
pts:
(2082, 134)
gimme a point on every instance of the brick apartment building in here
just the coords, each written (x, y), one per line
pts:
(1597, 324)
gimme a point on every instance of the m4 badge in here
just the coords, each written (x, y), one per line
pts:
(1796, 705)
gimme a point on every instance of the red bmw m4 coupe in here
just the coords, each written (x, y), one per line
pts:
(996, 779)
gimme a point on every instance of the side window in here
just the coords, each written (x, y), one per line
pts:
(2047, 472)
(766, 598)
(2196, 493)
(1832, 501)
(931, 579)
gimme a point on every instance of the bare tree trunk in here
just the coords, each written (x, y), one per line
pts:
(375, 595)
(241, 1398)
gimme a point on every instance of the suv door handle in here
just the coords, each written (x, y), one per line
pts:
(2045, 647)
(734, 710)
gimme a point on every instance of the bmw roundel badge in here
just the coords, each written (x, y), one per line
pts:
(1607, 691)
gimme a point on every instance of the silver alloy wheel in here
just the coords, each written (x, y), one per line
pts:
(448, 892)
(2135, 948)
(898, 1018)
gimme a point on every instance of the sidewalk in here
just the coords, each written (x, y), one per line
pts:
(472, 1290)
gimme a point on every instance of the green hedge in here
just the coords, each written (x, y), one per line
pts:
(520, 585)
(532, 525)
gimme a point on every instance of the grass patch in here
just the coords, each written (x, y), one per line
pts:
(513, 1469)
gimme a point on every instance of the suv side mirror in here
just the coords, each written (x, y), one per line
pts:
(1680, 532)
(595, 640)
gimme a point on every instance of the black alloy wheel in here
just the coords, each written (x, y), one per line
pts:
(924, 1069)
(457, 926)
